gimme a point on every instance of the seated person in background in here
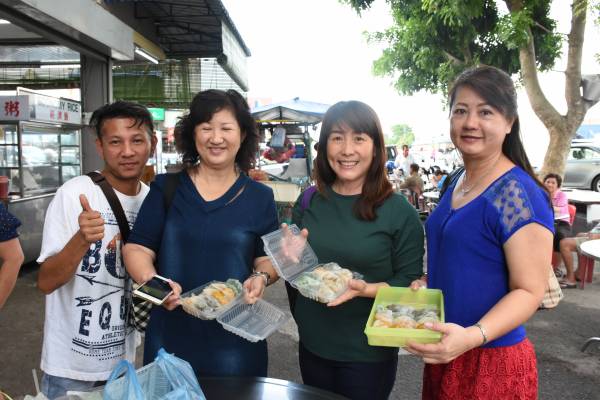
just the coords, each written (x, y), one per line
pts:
(560, 205)
(389, 166)
(568, 246)
(413, 181)
(438, 178)
(280, 154)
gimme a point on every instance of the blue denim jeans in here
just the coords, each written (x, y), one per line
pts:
(56, 386)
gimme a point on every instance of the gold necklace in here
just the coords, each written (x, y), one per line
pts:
(464, 190)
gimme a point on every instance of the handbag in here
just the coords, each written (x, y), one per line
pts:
(553, 294)
(139, 311)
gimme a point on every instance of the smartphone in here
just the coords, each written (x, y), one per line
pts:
(156, 290)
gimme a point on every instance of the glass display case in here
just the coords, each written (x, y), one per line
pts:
(40, 149)
(39, 159)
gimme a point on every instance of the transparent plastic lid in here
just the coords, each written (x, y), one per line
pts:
(253, 322)
(212, 299)
(286, 267)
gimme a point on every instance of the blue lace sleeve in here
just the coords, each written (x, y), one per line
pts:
(8, 225)
(519, 201)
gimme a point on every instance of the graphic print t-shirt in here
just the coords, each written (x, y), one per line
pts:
(85, 329)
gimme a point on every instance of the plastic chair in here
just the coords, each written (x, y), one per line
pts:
(586, 269)
(572, 212)
(556, 258)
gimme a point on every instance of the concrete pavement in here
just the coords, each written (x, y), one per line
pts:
(564, 371)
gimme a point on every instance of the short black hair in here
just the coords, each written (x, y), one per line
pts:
(202, 108)
(122, 109)
(414, 167)
(557, 177)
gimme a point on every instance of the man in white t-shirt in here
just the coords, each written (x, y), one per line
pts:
(82, 274)
(404, 160)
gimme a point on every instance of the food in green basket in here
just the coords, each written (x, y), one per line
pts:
(212, 297)
(324, 283)
(404, 316)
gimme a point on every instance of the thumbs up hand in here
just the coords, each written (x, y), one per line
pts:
(91, 224)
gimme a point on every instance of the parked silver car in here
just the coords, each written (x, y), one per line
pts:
(583, 167)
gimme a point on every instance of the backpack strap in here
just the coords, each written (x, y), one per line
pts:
(113, 201)
(307, 197)
(171, 183)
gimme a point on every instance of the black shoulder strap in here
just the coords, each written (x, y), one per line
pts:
(171, 183)
(114, 202)
(451, 179)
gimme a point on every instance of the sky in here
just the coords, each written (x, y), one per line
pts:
(316, 50)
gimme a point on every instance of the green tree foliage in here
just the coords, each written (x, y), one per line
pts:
(401, 134)
(432, 41)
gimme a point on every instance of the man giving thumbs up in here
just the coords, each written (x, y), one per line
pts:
(86, 332)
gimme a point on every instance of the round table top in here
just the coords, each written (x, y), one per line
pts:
(261, 389)
(432, 195)
(591, 248)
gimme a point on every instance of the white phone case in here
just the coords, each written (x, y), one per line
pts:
(152, 299)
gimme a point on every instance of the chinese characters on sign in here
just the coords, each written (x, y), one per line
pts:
(14, 108)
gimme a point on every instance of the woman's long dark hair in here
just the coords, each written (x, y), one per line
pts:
(498, 90)
(361, 118)
(202, 108)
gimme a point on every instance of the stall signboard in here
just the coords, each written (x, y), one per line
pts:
(52, 109)
(158, 114)
(14, 108)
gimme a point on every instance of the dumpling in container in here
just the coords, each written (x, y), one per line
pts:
(235, 285)
(384, 317)
(429, 316)
(198, 302)
(325, 294)
(381, 324)
(402, 310)
(404, 321)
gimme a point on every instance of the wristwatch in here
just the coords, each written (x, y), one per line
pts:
(265, 275)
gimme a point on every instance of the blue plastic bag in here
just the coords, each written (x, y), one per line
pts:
(180, 374)
(167, 378)
(125, 387)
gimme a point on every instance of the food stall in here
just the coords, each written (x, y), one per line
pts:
(40, 149)
(289, 122)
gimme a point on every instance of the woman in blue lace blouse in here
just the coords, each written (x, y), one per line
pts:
(10, 252)
(489, 244)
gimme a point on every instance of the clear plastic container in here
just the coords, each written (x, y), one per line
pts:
(301, 274)
(208, 312)
(253, 322)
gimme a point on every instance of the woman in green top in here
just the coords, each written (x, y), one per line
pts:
(356, 220)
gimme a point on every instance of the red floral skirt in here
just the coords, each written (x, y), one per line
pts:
(496, 373)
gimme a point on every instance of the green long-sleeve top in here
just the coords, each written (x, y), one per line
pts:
(388, 249)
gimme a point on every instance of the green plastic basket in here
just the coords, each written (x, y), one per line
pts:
(398, 337)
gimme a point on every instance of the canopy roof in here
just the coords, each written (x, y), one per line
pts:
(187, 28)
(291, 111)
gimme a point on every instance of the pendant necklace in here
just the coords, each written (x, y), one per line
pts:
(464, 189)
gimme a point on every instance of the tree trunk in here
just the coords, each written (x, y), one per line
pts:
(560, 128)
(558, 149)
